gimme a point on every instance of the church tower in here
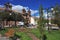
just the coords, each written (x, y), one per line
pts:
(8, 6)
(29, 16)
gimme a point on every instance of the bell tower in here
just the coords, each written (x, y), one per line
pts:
(29, 16)
(8, 6)
(23, 11)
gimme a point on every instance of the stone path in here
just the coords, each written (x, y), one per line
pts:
(32, 36)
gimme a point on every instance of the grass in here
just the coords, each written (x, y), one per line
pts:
(23, 35)
(36, 32)
(54, 35)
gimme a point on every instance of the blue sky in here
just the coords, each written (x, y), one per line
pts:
(31, 4)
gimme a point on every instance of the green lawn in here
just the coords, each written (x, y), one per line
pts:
(36, 32)
(54, 35)
(23, 35)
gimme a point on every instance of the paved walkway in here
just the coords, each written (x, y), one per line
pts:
(32, 36)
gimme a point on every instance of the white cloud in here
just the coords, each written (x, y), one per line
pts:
(38, 16)
(1, 5)
(33, 11)
(19, 8)
(45, 14)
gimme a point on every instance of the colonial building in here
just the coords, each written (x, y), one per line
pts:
(8, 9)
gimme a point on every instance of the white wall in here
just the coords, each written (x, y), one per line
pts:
(32, 21)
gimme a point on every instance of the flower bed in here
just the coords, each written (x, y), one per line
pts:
(10, 33)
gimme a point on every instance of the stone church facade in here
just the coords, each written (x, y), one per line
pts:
(8, 8)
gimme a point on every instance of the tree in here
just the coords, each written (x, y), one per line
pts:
(3, 16)
(8, 10)
(57, 15)
(41, 22)
(49, 27)
(19, 17)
